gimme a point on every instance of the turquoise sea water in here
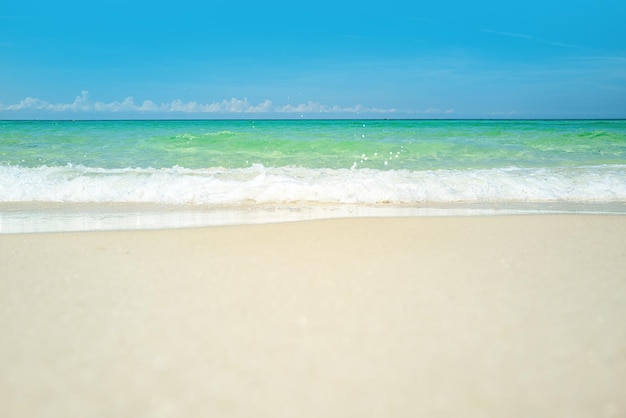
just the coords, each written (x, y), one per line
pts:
(368, 162)
(403, 145)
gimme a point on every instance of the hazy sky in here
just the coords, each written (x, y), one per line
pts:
(253, 59)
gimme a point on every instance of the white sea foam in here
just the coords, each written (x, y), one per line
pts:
(259, 184)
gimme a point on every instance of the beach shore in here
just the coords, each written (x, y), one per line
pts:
(510, 316)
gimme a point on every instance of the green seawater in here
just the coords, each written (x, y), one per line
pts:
(414, 145)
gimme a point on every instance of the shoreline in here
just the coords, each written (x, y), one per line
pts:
(374, 317)
(36, 217)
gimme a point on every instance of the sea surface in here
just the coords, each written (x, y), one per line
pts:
(61, 169)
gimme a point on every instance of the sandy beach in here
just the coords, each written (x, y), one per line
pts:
(502, 316)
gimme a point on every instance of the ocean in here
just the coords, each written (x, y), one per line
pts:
(75, 175)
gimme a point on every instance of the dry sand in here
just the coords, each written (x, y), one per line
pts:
(506, 316)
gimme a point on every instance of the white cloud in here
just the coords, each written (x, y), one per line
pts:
(127, 105)
(316, 107)
(234, 105)
(530, 38)
(432, 111)
(80, 103)
(149, 106)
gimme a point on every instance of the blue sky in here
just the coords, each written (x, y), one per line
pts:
(251, 59)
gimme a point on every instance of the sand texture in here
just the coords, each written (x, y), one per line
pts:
(504, 316)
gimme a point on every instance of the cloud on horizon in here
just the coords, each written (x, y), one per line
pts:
(83, 104)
